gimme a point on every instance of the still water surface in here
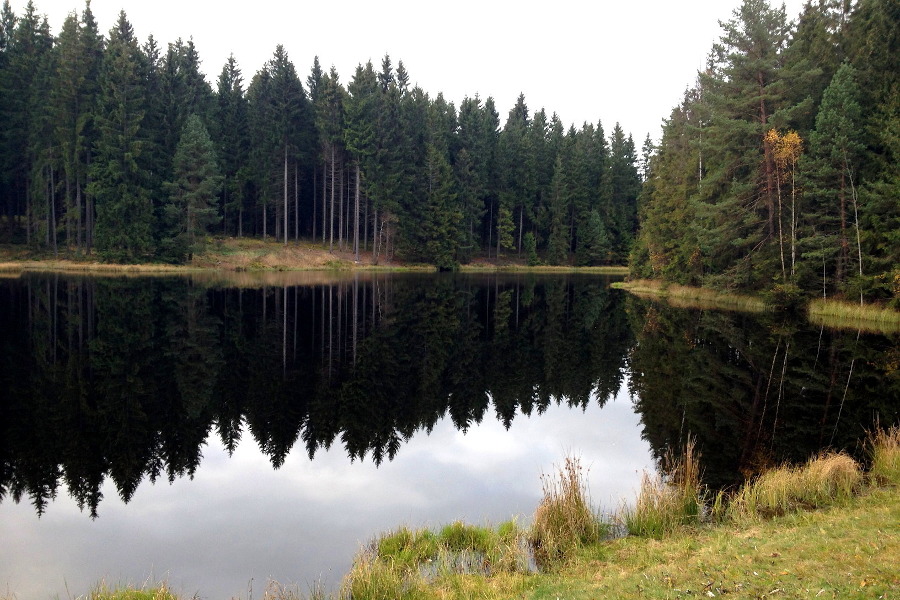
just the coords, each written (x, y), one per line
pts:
(229, 433)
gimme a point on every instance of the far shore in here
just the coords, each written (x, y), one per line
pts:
(254, 255)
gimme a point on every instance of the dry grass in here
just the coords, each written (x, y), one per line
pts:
(670, 499)
(563, 520)
(824, 480)
(693, 297)
(849, 315)
(884, 451)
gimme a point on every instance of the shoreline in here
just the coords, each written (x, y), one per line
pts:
(251, 255)
(835, 313)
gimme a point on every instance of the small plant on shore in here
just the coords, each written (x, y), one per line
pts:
(158, 592)
(407, 548)
(884, 450)
(564, 520)
(372, 578)
(668, 499)
(824, 480)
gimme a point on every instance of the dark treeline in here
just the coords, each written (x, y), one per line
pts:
(756, 392)
(123, 380)
(780, 170)
(124, 149)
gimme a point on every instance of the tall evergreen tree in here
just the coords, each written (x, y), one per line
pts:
(742, 90)
(191, 209)
(73, 97)
(232, 144)
(124, 210)
(359, 136)
(832, 173)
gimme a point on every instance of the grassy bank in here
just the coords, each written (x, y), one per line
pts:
(836, 314)
(260, 256)
(692, 297)
(825, 529)
(849, 315)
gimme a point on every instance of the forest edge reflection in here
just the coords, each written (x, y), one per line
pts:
(371, 359)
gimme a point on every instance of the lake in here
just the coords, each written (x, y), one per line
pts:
(217, 433)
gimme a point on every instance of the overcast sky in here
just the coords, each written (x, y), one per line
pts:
(587, 61)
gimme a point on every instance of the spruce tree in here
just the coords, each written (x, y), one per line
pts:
(832, 171)
(232, 144)
(124, 210)
(191, 209)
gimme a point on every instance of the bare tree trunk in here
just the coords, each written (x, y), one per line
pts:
(51, 230)
(856, 222)
(341, 211)
(285, 194)
(521, 219)
(315, 214)
(767, 151)
(324, 195)
(331, 221)
(356, 238)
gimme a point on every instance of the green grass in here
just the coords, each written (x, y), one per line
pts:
(693, 297)
(150, 592)
(849, 315)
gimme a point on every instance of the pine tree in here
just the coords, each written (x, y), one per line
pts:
(359, 134)
(623, 184)
(232, 143)
(832, 175)
(73, 97)
(742, 90)
(442, 216)
(191, 209)
(124, 211)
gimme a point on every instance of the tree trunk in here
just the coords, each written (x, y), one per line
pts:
(285, 194)
(356, 228)
(296, 202)
(331, 221)
(315, 201)
(341, 211)
(324, 195)
(763, 119)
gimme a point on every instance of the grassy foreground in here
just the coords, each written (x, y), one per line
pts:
(824, 529)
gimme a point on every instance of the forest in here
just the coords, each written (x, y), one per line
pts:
(778, 171)
(125, 150)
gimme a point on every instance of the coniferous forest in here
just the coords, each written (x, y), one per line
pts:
(779, 170)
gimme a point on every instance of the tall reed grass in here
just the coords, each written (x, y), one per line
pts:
(564, 519)
(824, 480)
(669, 499)
(884, 450)
(693, 297)
(850, 315)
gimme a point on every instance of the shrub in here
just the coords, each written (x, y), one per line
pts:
(668, 500)
(563, 520)
(824, 480)
(884, 451)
